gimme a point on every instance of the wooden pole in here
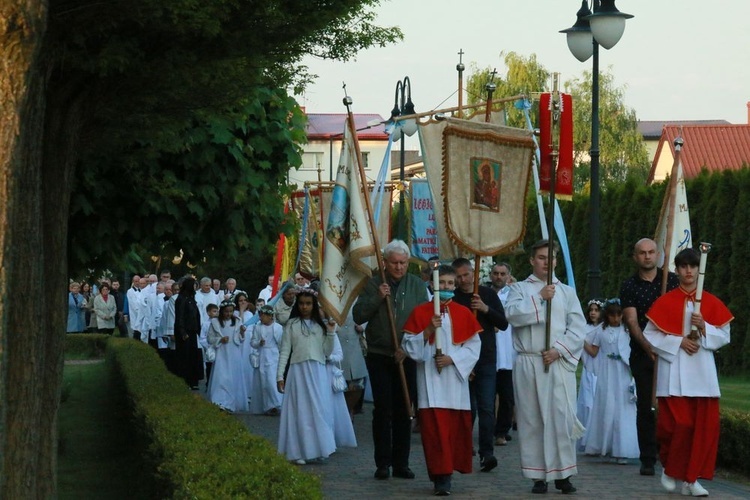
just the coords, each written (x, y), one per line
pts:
(454, 109)
(554, 137)
(378, 256)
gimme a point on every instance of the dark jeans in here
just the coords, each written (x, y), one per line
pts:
(504, 421)
(122, 326)
(642, 368)
(391, 425)
(482, 392)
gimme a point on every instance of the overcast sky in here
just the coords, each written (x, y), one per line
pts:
(679, 59)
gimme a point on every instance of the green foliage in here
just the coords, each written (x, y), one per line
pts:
(734, 445)
(192, 448)
(85, 345)
(622, 152)
(524, 75)
(719, 206)
(183, 133)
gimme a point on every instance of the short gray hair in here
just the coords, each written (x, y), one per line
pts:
(396, 246)
(205, 280)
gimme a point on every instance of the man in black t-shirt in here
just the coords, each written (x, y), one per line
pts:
(637, 294)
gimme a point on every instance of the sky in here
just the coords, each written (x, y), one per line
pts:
(677, 60)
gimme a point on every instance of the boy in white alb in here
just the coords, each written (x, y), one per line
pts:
(443, 381)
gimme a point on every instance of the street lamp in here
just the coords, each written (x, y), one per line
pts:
(403, 106)
(604, 27)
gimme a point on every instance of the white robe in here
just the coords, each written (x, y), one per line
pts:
(449, 388)
(586, 389)
(611, 428)
(545, 402)
(680, 374)
(227, 385)
(265, 375)
(338, 413)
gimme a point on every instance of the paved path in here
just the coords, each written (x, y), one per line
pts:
(348, 473)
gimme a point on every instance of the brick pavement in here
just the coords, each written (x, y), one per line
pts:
(348, 473)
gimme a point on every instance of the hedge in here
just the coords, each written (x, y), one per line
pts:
(191, 448)
(719, 205)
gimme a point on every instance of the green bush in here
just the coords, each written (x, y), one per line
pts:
(734, 443)
(193, 449)
(85, 345)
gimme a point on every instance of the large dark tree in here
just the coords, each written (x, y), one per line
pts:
(166, 119)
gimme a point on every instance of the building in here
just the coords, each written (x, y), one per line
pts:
(651, 131)
(325, 132)
(715, 147)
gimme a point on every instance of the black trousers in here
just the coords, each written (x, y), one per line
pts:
(504, 387)
(642, 368)
(391, 425)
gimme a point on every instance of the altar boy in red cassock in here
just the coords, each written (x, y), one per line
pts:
(687, 384)
(443, 397)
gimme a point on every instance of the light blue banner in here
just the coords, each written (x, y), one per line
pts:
(424, 238)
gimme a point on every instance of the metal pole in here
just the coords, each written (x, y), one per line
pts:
(594, 274)
(401, 197)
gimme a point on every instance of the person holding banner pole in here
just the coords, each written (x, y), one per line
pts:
(546, 399)
(391, 422)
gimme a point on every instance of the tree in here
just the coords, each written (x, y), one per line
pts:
(622, 152)
(127, 101)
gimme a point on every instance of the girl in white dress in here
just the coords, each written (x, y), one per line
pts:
(611, 430)
(227, 386)
(587, 386)
(339, 416)
(266, 340)
(305, 433)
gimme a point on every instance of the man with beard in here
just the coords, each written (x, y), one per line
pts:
(637, 294)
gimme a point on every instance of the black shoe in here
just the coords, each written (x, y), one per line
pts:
(486, 464)
(564, 486)
(508, 437)
(539, 487)
(647, 470)
(442, 486)
(382, 473)
(403, 473)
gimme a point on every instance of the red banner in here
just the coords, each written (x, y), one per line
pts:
(564, 171)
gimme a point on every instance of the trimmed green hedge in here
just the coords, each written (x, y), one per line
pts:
(193, 449)
(734, 443)
(85, 345)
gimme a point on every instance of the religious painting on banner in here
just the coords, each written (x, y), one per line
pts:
(485, 174)
(348, 244)
(431, 139)
(307, 208)
(485, 214)
(564, 167)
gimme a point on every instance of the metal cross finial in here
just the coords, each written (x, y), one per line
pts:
(347, 100)
(493, 75)
(460, 56)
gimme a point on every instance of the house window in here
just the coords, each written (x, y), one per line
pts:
(366, 159)
(311, 161)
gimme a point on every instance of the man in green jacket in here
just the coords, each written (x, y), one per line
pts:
(391, 425)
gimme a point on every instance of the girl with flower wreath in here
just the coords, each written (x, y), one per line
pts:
(587, 387)
(611, 429)
(306, 342)
(227, 335)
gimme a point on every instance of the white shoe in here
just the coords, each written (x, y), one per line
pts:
(622, 461)
(694, 490)
(669, 483)
(300, 462)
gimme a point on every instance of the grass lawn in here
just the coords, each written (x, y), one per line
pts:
(735, 393)
(95, 459)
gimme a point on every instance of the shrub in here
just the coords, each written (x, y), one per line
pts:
(85, 345)
(194, 449)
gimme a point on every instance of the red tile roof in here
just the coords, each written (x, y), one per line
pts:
(716, 147)
(325, 126)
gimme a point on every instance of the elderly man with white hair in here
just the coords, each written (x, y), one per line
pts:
(205, 296)
(391, 425)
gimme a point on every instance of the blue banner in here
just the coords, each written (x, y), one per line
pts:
(424, 238)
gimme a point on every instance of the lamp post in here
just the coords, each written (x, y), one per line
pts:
(604, 27)
(403, 106)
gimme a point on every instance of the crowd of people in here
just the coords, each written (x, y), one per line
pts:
(502, 357)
